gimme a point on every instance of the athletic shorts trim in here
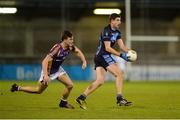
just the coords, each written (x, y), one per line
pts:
(103, 61)
(55, 75)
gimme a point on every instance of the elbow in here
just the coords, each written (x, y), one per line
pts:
(44, 61)
(108, 49)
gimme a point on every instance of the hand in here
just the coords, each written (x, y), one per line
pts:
(45, 80)
(124, 56)
(84, 65)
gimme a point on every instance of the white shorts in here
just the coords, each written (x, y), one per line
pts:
(55, 75)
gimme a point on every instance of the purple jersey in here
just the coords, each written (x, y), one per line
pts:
(58, 55)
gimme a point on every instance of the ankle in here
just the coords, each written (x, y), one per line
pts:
(119, 97)
(63, 102)
(82, 97)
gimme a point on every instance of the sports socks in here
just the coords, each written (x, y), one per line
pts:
(18, 88)
(119, 97)
(63, 102)
(82, 97)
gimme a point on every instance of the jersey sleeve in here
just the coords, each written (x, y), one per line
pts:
(106, 36)
(119, 35)
(53, 50)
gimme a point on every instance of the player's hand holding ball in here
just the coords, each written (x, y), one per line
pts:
(129, 56)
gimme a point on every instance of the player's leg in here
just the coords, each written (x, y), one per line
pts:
(64, 78)
(114, 69)
(68, 85)
(97, 83)
(29, 89)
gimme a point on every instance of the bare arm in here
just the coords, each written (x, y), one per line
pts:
(47, 59)
(45, 68)
(45, 64)
(122, 46)
(110, 49)
(81, 56)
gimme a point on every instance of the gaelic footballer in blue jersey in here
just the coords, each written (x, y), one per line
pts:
(103, 60)
(102, 55)
(51, 69)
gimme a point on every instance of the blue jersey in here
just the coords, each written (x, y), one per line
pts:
(107, 35)
(58, 55)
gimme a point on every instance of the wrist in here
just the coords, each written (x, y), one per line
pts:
(120, 55)
(84, 61)
(45, 74)
(124, 56)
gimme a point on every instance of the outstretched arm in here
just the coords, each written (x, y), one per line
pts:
(81, 56)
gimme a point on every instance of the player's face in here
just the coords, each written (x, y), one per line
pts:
(70, 41)
(116, 22)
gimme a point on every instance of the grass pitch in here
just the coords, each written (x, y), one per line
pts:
(150, 100)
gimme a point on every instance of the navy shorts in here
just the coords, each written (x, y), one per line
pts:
(103, 61)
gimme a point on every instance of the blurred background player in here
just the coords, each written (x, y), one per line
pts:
(105, 62)
(51, 69)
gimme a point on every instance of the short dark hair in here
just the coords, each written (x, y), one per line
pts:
(113, 16)
(66, 34)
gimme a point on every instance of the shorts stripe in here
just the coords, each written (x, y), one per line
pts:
(108, 59)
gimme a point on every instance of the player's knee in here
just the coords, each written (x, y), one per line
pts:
(100, 82)
(117, 74)
(70, 86)
(39, 92)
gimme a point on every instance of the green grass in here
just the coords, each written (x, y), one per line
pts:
(150, 100)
